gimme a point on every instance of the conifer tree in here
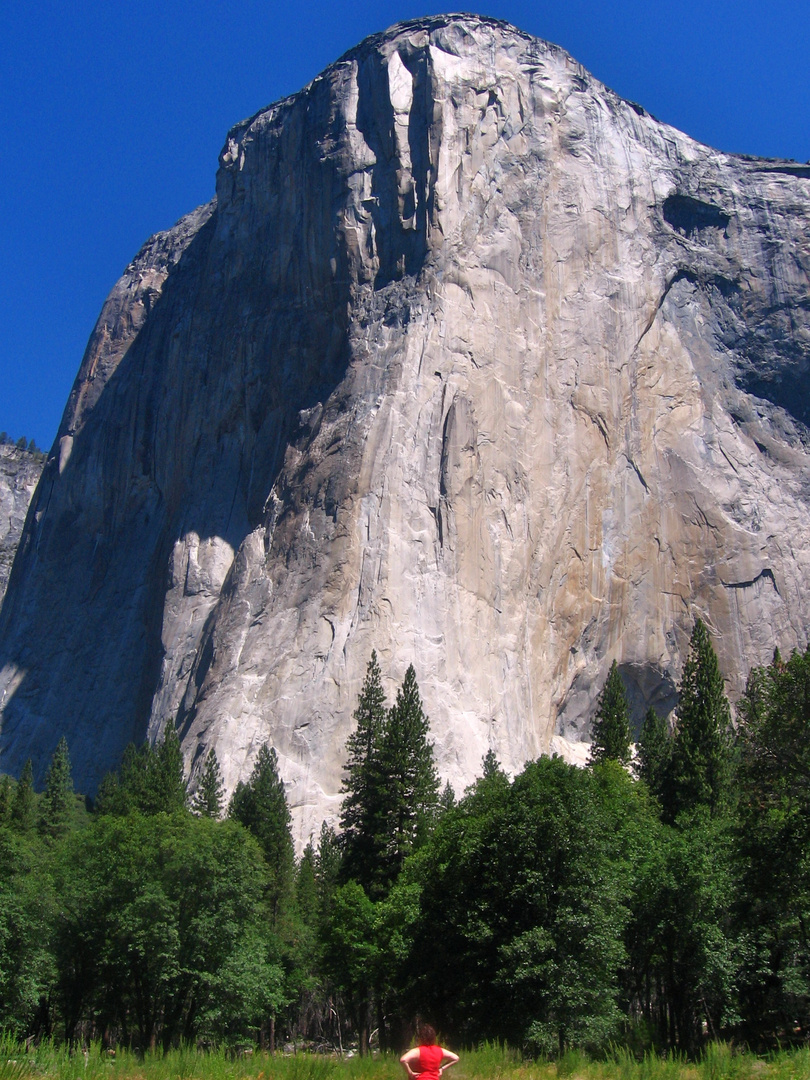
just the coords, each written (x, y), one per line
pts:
(24, 807)
(209, 799)
(411, 782)
(327, 869)
(610, 739)
(306, 888)
(447, 799)
(110, 797)
(6, 799)
(149, 780)
(700, 762)
(774, 841)
(57, 799)
(166, 787)
(364, 782)
(261, 806)
(654, 747)
(490, 766)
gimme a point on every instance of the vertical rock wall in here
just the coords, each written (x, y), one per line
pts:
(19, 473)
(472, 362)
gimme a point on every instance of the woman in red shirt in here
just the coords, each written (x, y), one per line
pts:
(427, 1061)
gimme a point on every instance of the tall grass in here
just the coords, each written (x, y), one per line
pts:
(720, 1061)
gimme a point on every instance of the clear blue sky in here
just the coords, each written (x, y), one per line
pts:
(112, 117)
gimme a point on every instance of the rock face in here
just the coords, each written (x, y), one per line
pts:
(471, 362)
(19, 473)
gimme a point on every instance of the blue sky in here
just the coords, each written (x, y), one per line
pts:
(112, 117)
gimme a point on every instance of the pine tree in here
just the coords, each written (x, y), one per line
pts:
(209, 798)
(57, 799)
(166, 790)
(261, 806)
(490, 765)
(447, 799)
(24, 807)
(700, 762)
(6, 799)
(364, 783)
(654, 748)
(306, 888)
(131, 788)
(149, 780)
(411, 782)
(610, 739)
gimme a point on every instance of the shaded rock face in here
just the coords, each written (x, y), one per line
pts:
(19, 473)
(471, 362)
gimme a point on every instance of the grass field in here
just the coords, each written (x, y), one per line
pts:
(720, 1062)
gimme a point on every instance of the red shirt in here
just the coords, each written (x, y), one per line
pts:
(430, 1058)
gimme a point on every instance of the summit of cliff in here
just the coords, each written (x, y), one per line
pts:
(471, 362)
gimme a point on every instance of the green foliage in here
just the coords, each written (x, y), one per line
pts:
(700, 760)
(490, 765)
(520, 895)
(57, 798)
(24, 806)
(391, 787)
(7, 789)
(162, 934)
(693, 941)
(489, 1061)
(654, 749)
(209, 799)
(561, 911)
(364, 783)
(447, 799)
(261, 806)
(149, 780)
(411, 793)
(774, 741)
(327, 869)
(26, 920)
(352, 953)
(610, 736)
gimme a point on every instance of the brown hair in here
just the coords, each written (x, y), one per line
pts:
(425, 1034)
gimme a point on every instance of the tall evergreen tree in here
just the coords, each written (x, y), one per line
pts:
(166, 786)
(149, 780)
(327, 869)
(24, 807)
(57, 799)
(700, 761)
(261, 806)
(774, 839)
(364, 782)
(411, 781)
(490, 766)
(610, 738)
(6, 797)
(209, 799)
(654, 747)
(447, 799)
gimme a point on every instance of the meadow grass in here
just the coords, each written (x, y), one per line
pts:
(720, 1061)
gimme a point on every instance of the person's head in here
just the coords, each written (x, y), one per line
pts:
(425, 1034)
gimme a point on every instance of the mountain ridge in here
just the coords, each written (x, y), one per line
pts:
(459, 366)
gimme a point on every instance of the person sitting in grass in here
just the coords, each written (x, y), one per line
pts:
(427, 1061)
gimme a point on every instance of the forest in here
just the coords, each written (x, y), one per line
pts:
(656, 900)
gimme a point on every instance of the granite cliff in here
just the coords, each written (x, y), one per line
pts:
(470, 361)
(19, 472)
